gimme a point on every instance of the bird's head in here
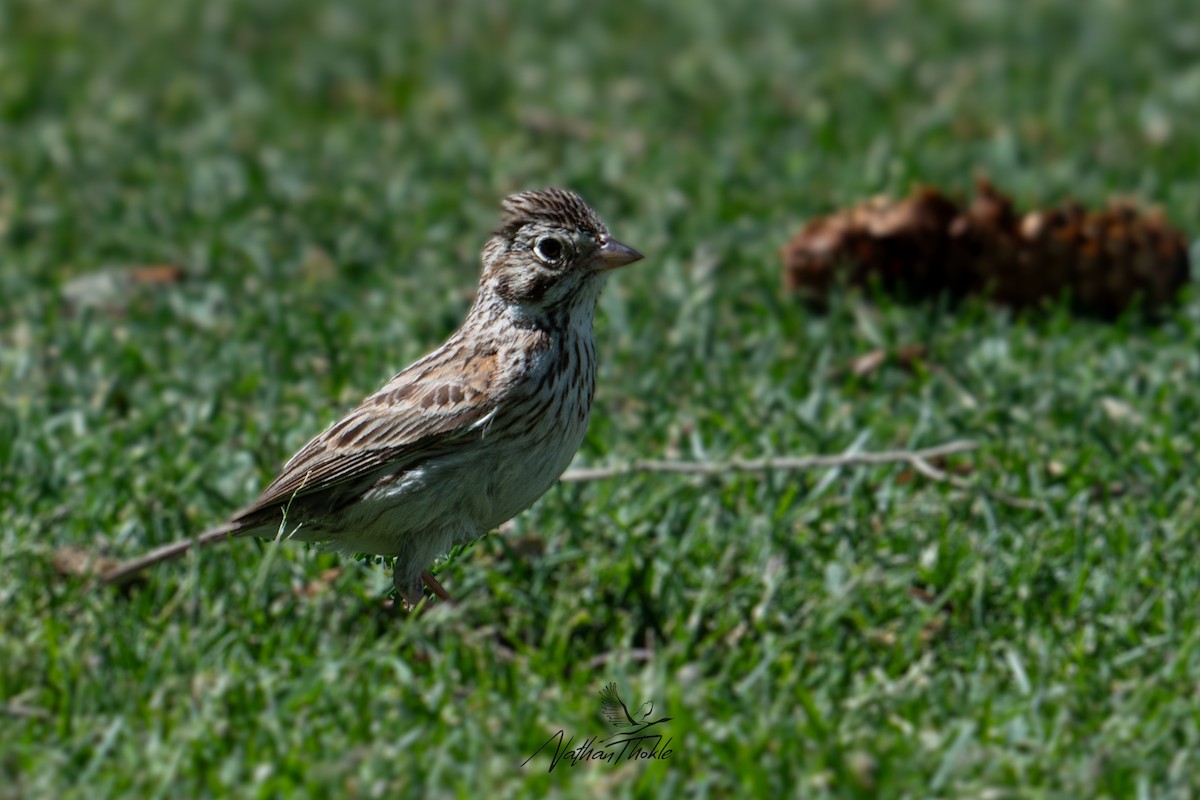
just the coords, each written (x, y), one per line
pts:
(551, 251)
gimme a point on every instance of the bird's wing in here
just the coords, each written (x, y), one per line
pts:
(437, 404)
(613, 707)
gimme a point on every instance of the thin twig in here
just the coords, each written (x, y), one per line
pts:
(917, 459)
(23, 712)
(910, 457)
(933, 473)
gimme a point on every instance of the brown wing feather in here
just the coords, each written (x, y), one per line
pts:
(429, 407)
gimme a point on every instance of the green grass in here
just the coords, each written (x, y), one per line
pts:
(326, 174)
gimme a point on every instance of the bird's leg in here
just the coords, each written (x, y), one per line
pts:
(435, 587)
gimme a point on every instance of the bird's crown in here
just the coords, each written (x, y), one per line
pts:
(557, 207)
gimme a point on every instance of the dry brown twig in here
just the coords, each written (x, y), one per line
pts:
(934, 474)
(23, 712)
(781, 464)
(919, 460)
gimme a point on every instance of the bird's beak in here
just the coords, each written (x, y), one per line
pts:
(614, 254)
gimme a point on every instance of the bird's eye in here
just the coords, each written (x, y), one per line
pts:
(548, 249)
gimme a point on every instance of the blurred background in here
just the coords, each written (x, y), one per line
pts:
(223, 223)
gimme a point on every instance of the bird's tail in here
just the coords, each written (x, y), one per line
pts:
(126, 571)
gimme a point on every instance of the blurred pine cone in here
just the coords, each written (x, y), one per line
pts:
(926, 245)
